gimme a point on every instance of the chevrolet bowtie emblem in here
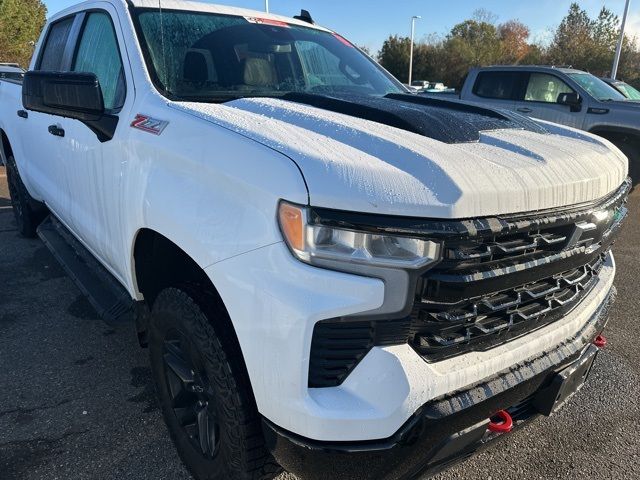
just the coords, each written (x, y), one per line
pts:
(578, 231)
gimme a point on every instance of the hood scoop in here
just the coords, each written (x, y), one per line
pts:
(445, 121)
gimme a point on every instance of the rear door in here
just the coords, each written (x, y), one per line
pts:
(41, 149)
(539, 99)
(497, 88)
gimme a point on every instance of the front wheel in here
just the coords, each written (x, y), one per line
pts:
(28, 212)
(632, 151)
(204, 391)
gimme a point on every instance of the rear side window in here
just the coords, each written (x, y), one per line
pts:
(54, 47)
(98, 53)
(498, 85)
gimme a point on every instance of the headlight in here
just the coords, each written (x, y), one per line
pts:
(311, 243)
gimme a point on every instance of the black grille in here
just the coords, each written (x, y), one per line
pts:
(441, 330)
(499, 279)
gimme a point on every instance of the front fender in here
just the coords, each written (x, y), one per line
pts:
(212, 192)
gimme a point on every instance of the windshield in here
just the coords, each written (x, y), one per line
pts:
(596, 87)
(628, 91)
(211, 57)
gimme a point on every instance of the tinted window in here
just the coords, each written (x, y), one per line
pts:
(53, 52)
(499, 85)
(543, 87)
(98, 53)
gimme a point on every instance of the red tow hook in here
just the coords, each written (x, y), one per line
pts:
(600, 341)
(501, 422)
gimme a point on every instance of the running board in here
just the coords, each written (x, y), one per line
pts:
(106, 294)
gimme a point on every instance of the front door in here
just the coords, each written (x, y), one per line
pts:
(541, 101)
(94, 168)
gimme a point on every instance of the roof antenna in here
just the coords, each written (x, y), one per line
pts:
(305, 16)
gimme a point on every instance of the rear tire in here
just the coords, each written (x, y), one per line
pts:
(28, 212)
(204, 390)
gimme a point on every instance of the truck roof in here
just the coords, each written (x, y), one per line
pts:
(221, 9)
(533, 67)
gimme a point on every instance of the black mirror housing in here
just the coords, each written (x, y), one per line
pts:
(572, 100)
(72, 95)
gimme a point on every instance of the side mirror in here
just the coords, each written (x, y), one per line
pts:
(72, 95)
(571, 100)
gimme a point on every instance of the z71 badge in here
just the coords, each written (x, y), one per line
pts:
(148, 124)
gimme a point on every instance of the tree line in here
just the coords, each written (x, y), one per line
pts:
(580, 41)
(21, 22)
(583, 42)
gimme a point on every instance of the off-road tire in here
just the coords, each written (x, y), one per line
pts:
(28, 212)
(240, 453)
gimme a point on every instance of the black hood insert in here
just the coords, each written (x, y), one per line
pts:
(443, 120)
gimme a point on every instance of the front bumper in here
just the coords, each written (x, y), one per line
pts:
(275, 301)
(444, 430)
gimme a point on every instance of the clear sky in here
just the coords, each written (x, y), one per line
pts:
(369, 22)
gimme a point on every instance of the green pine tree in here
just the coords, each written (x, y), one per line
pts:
(21, 22)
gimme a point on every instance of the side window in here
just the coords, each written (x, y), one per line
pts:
(54, 46)
(543, 87)
(498, 85)
(98, 53)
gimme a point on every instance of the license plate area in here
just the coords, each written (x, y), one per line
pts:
(565, 383)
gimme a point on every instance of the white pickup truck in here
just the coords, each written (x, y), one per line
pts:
(333, 276)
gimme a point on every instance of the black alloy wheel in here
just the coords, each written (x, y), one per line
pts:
(193, 398)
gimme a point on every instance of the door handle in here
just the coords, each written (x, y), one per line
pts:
(22, 114)
(524, 110)
(57, 131)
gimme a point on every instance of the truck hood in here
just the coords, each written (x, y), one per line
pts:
(437, 160)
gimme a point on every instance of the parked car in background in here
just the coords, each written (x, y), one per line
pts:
(420, 84)
(331, 275)
(624, 88)
(561, 95)
(11, 71)
(437, 86)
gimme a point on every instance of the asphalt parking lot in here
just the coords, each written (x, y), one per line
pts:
(76, 400)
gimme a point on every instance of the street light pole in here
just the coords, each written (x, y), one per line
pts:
(616, 59)
(266, 6)
(413, 30)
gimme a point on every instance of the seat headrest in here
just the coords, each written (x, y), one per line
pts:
(198, 66)
(259, 72)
